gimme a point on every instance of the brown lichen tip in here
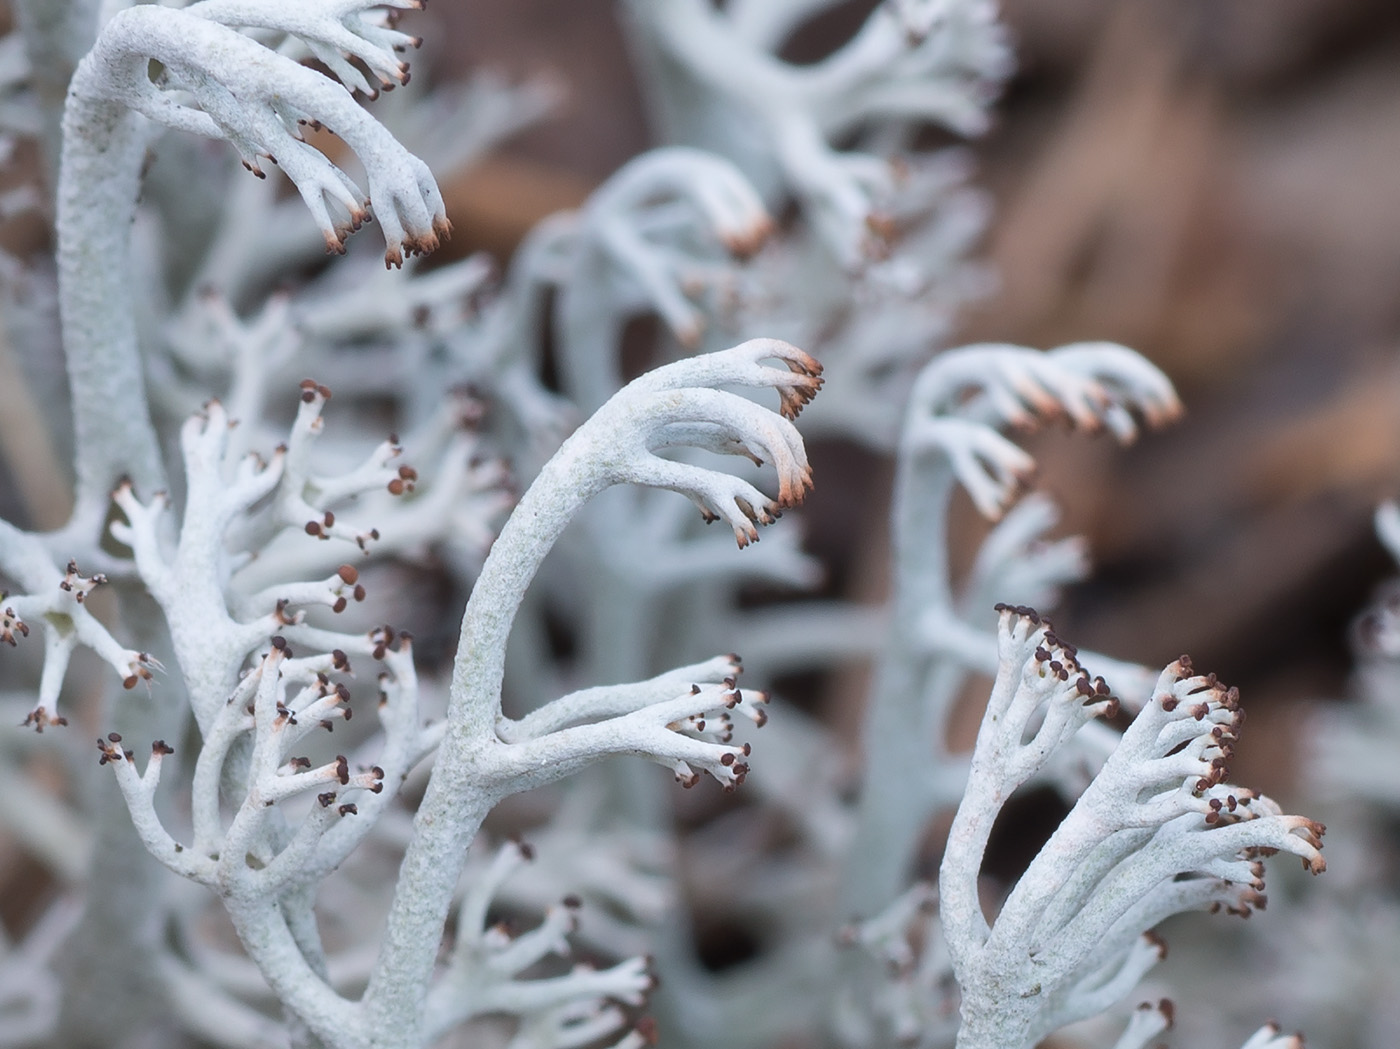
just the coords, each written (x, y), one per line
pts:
(40, 718)
(308, 390)
(404, 482)
(10, 625)
(1023, 612)
(111, 749)
(797, 393)
(882, 225)
(745, 243)
(646, 1027)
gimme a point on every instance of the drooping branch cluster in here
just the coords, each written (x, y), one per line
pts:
(222, 83)
(910, 63)
(1157, 832)
(650, 233)
(952, 435)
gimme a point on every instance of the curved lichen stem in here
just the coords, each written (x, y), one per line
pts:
(104, 147)
(457, 800)
(616, 445)
(910, 700)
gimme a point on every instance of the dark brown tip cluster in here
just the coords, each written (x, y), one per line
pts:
(418, 243)
(1166, 1007)
(40, 718)
(1024, 611)
(384, 637)
(404, 482)
(10, 625)
(111, 749)
(739, 769)
(1232, 808)
(340, 231)
(350, 576)
(140, 671)
(1062, 659)
(745, 243)
(798, 393)
(311, 389)
(74, 583)
(1246, 903)
(1198, 697)
(324, 688)
(321, 529)
(1312, 831)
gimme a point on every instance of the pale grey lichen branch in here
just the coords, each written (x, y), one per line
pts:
(486, 961)
(952, 436)
(958, 407)
(654, 237)
(1271, 1037)
(221, 83)
(1151, 1019)
(1348, 747)
(909, 996)
(335, 32)
(909, 63)
(1148, 1020)
(55, 602)
(30, 983)
(259, 100)
(255, 859)
(618, 444)
(1157, 832)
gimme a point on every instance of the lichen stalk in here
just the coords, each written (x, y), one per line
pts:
(104, 146)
